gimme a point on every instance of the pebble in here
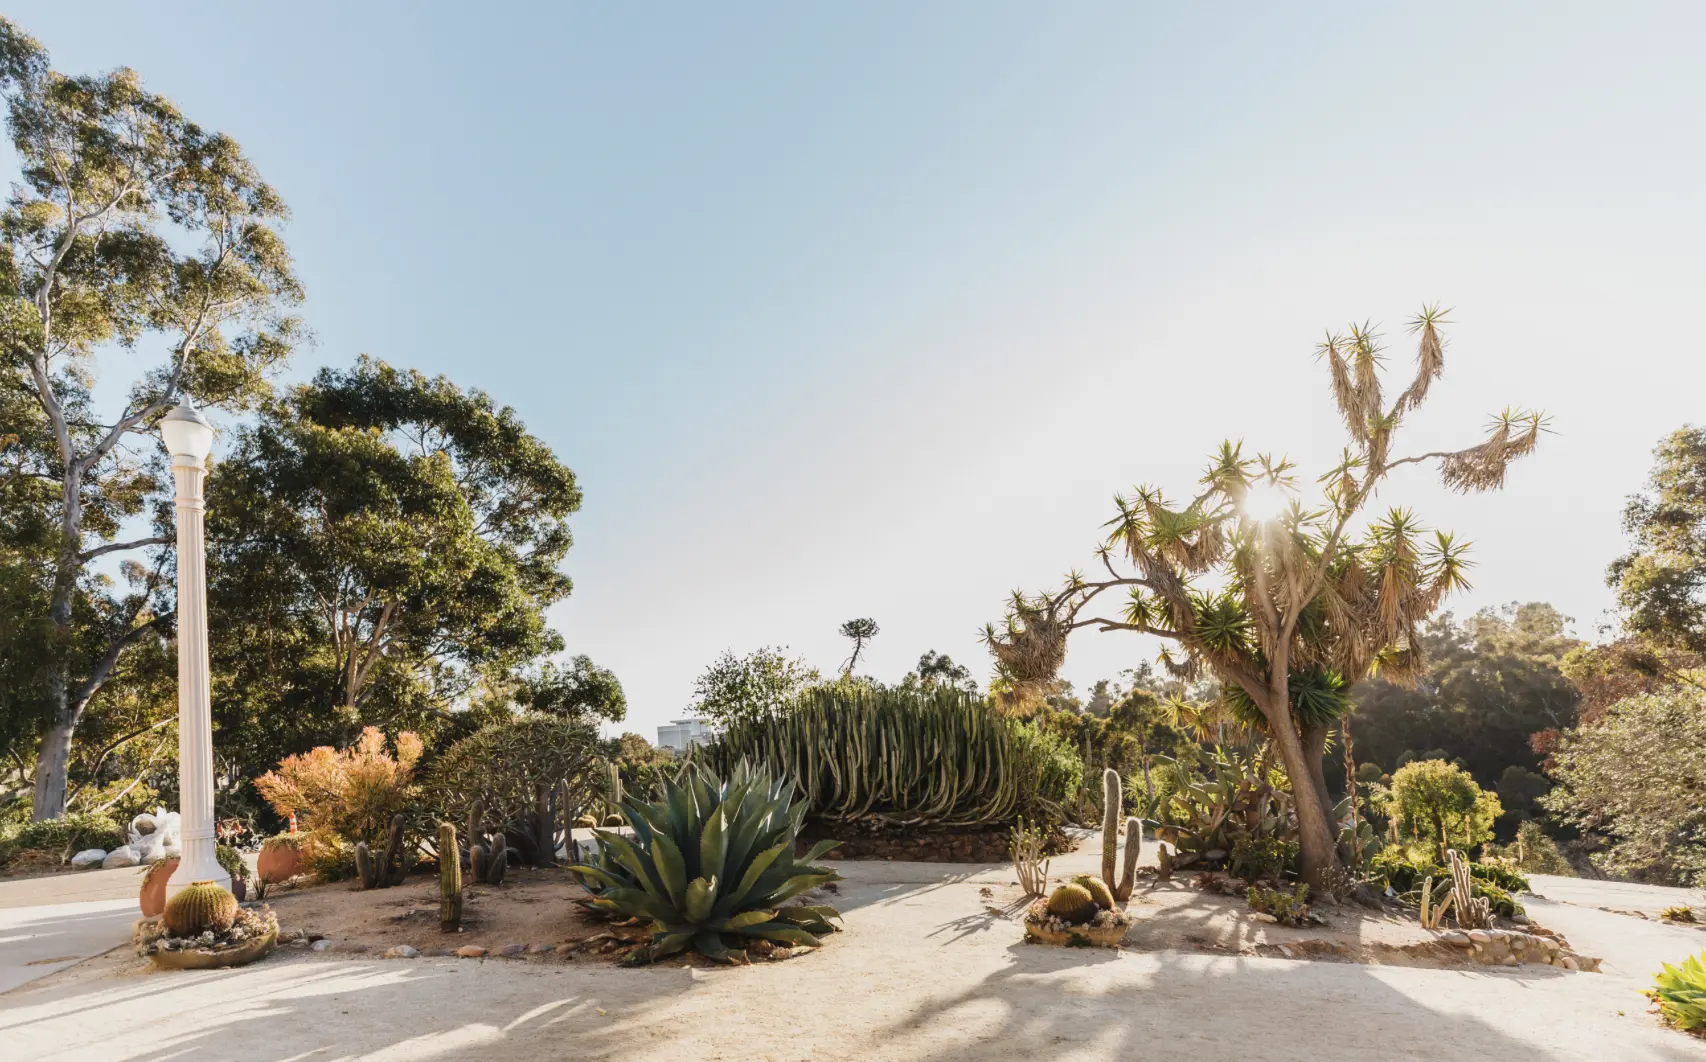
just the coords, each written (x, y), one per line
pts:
(566, 950)
(511, 951)
(470, 951)
(539, 949)
(324, 945)
(401, 951)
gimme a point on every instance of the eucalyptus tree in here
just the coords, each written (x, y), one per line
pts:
(378, 541)
(137, 231)
(1285, 602)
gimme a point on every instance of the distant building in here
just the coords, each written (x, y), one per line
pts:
(684, 732)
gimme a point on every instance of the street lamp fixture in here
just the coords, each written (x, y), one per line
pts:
(189, 439)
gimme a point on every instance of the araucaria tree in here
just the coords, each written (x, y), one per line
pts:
(132, 228)
(1286, 600)
(861, 631)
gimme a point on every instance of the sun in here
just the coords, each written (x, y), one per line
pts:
(1264, 502)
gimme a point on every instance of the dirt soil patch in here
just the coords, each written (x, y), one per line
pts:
(532, 908)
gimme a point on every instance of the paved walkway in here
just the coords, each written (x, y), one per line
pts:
(51, 922)
(924, 974)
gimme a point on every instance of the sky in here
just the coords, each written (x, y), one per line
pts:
(869, 310)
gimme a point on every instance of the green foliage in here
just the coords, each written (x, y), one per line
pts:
(231, 861)
(1635, 777)
(907, 758)
(1405, 875)
(760, 685)
(1438, 802)
(1661, 582)
(1493, 682)
(1536, 853)
(1211, 799)
(1261, 858)
(504, 764)
(131, 228)
(936, 670)
(860, 632)
(71, 833)
(1504, 877)
(582, 690)
(1502, 902)
(378, 542)
(1287, 908)
(712, 866)
(1680, 992)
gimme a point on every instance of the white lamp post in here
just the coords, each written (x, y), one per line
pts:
(189, 438)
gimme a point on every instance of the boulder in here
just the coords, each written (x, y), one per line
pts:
(124, 856)
(89, 857)
(471, 951)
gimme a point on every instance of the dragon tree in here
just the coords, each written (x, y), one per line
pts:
(1287, 600)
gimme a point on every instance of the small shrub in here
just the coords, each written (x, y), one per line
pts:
(1262, 858)
(1287, 908)
(353, 792)
(1680, 992)
(1678, 912)
(1505, 878)
(327, 856)
(1502, 903)
(72, 833)
(231, 861)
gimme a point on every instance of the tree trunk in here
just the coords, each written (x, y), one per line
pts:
(53, 763)
(1319, 848)
(1315, 747)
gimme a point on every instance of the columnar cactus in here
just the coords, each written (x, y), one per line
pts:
(449, 879)
(1133, 848)
(1111, 808)
(201, 906)
(365, 870)
(391, 868)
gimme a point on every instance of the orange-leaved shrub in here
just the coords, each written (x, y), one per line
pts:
(353, 792)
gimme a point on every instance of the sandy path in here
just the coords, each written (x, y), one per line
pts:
(924, 972)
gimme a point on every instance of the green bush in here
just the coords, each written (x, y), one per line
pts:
(907, 757)
(231, 861)
(1404, 875)
(1502, 903)
(1259, 858)
(1504, 877)
(1287, 908)
(73, 832)
(504, 763)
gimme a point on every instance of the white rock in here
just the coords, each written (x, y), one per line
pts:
(119, 857)
(88, 857)
(401, 951)
(324, 945)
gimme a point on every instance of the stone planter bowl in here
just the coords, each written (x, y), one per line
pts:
(1097, 936)
(208, 959)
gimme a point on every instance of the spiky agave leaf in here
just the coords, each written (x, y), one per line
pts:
(713, 859)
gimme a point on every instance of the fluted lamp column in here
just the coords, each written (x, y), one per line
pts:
(189, 439)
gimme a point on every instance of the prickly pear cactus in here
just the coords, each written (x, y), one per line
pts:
(201, 906)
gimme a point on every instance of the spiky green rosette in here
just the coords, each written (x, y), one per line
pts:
(713, 866)
(1097, 888)
(1072, 903)
(201, 906)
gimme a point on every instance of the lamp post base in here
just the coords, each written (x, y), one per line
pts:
(198, 863)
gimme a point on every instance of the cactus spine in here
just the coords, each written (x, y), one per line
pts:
(1111, 807)
(202, 905)
(449, 879)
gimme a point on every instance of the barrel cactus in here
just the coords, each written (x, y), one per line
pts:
(1072, 903)
(201, 906)
(712, 866)
(1097, 888)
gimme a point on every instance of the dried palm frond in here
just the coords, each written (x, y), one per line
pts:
(1514, 434)
(1345, 394)
(1430, 357)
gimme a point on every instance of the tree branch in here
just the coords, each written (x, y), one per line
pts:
(114, 547)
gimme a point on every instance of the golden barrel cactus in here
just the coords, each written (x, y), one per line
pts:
(201, 906)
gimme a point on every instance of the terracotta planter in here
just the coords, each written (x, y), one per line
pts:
(1081, 936)
(153, 898)
(205, 959)
(279, 862)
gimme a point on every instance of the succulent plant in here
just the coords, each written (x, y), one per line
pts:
(1680, 992)
(449, 879)
(1097, 888)
(200, 906)
(1112, 805)
(1072, 903)
(712, 865)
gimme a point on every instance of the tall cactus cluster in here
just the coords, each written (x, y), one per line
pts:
(388, 868)
(488, 860)
(1112, 807)
(1473, 912)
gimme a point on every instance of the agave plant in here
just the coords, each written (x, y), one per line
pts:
(1680, 992)
(712, 865)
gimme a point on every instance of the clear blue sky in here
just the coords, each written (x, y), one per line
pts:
(868, 309)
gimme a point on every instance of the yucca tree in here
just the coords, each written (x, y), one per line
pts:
(1286, 600)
